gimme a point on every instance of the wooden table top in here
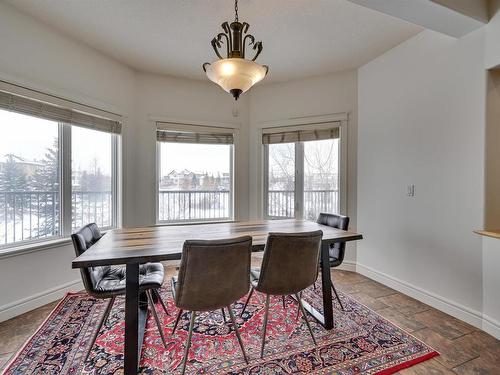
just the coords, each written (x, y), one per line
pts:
(489, 233)
(154, 244)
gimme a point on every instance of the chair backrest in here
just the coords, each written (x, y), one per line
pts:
(213, 274)
(83, 239)
(290, 262)
(337, 250)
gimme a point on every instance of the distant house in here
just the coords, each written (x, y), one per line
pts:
(28, 167)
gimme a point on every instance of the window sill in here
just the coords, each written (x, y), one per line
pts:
(169, 224)
(27, 248)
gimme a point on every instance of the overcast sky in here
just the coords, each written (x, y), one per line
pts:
(29, 137)
(197, 158)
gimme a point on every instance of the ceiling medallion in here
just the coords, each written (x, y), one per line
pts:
(235, 74)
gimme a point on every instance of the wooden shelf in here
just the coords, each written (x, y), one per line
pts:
(489, 233)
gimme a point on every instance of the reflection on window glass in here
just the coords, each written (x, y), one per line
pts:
(29, 178)
(195, 182)
(91, 179)
(321, 177)
(281, 188)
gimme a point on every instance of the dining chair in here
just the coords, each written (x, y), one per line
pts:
(289, 266)
(212, 275)
(108, 282)
(337, 250)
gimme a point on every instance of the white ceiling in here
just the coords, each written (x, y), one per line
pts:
(301, 38)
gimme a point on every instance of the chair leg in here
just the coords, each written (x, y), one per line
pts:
(155, 314)
(337, 296)
(236, 330)
(188, 344)
(101, 322)
(177, 320)
(264, 327)
(223, 315)
(305, 317)
(155, 291)
(246, 303)
(283, 300)
(298, 306)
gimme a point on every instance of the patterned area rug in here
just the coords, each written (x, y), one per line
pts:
(361, 341)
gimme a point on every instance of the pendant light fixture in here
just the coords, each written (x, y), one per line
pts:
(235, 74)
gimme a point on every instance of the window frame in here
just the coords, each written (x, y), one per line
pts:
(299, 171)
(200, 128)
(65, 192)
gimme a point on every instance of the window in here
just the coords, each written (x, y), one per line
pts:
(92, 176)
(57, 171)
(302, 171)
(195, 176)
(30, 197)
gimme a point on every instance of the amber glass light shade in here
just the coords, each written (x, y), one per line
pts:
(236, 75)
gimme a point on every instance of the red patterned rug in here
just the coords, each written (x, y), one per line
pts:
(362, 342)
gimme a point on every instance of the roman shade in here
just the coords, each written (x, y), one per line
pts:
(27, 106)
(183, 133)
(291, 134)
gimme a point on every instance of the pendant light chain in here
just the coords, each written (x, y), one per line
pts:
(236, 10)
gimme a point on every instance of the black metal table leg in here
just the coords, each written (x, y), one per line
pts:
(325, 319)
(131, 319)
(136, 309)
(326, 283)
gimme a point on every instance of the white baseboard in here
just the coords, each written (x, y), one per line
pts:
(26, 304)
(491, 326)
(452, 308)
(347, 265)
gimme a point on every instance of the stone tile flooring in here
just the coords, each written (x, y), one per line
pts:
(464, 349)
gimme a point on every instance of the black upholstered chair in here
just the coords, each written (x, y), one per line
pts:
(337, 250)
(212, 275)
(109, 282)
(289, 266)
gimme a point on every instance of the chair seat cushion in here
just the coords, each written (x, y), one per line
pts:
(113, 281)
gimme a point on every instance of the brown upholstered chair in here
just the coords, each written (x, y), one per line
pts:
(290, 265)
(212, 275)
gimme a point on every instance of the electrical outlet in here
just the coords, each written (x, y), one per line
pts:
(410, 190)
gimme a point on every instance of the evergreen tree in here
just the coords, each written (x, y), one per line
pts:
(13, 177)
(46, 182)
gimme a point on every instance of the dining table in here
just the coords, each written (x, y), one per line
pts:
(134, 246)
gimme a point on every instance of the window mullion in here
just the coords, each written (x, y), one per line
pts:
(65, 162)
(299, 180)
(115, 182)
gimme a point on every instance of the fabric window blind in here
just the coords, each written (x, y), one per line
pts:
(193, 134)
(15, 103)
(312, 133)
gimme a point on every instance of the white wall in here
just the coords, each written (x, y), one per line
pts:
(334, 93)
(35, 56)
(421, 121)
(181, 99)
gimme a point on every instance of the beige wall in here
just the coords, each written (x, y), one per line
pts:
(492, 163)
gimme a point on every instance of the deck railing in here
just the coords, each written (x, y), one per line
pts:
(195, 205)
(29, 215)
(281, 203)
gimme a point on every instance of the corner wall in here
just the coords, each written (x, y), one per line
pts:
(422, 122)
(35, 56)
(328, 94)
